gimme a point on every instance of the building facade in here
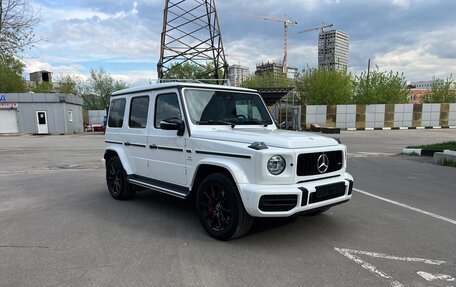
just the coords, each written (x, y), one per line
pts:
(333, 50)
(40, 113)
(275, 69)
(41, 76)
(237, 74)
(426, 85)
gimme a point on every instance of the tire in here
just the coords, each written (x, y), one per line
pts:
(117, 181)
(317, 212)
(220, 208)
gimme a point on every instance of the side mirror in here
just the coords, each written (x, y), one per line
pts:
(173, 124)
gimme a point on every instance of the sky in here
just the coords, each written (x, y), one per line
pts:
(414, 37)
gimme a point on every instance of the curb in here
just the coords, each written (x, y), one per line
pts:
(420, 152)
(399, 128)
(447, 155)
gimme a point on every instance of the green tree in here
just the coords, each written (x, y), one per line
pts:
(97, 90)
(44, 87)
(192, 71)
(381, 88)
(442, 91)
(325, 87)
(11, 80)
(70, 85)
(17, 22)
(185, 70)
(267, 80)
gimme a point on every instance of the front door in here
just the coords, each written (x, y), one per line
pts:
(166, 148)
(41, 120)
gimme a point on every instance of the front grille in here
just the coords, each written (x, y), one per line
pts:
(307, 162)
(329, 191)
(278, 202)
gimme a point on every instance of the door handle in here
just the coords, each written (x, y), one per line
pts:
(127, 143)
(153, 146)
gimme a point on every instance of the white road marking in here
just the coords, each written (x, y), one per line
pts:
(349, 253)
(434, 277)
(386, 256)
(369, 154)
(452, 221)
(371, 268)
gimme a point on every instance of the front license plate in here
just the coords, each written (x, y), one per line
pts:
(329, 191)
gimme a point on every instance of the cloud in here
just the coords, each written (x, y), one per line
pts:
(414, 36)
(424, 59)
(136, 78)
(33, 65)
(401, 3)
(101, 36)
(131, 77)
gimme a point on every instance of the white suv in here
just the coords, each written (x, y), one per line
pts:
(219, 146)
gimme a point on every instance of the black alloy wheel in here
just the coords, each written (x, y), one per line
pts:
(216, 208)
(220, 208)
(116, 178)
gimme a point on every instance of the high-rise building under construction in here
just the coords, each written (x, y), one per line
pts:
(333, 50)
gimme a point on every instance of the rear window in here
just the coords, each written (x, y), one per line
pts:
(138, 112)
(116, 113)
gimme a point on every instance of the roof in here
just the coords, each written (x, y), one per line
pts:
(177, 85)
(273, 95)
(42, 71)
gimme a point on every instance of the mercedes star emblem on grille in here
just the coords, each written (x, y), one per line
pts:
(322, 163)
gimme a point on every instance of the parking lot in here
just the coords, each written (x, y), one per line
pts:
(60, 227)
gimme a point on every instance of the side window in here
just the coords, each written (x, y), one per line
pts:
(166, 106)
(116, 113)
(138, 112)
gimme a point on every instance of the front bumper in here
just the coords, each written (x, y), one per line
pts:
(303, 192)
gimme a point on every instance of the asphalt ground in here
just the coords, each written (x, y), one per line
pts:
(60, 227)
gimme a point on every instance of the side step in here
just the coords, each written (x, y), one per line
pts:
(160, 186)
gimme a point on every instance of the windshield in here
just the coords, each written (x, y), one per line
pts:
(225, 107)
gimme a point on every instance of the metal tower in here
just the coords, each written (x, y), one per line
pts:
(191, 34)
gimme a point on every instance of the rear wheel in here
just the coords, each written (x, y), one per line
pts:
(220, 208)
(117, 181)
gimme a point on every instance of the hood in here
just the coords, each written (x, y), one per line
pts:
(273, 138)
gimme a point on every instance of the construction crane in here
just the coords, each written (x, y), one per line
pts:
(320, 27)
(286, 22)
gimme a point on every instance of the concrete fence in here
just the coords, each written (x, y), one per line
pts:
(378, 116)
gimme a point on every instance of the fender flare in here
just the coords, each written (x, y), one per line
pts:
(122, 156)
(233, 167)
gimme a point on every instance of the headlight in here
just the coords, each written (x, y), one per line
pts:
(276, 165)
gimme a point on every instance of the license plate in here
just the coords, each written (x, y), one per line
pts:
(329, 191)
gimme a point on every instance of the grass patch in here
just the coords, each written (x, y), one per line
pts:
(451, 145)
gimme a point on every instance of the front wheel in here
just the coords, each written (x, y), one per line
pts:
(220, 208)
(117, 181)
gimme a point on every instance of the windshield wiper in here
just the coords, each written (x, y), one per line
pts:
(216, 122)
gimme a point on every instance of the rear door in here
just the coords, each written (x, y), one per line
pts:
(135, 137)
